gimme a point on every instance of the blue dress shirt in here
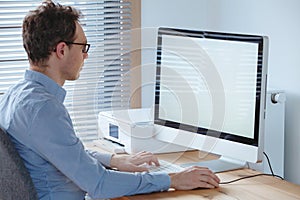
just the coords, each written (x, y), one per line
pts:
(33, 114)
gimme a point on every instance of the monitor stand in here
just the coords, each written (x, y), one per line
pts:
(219, 165)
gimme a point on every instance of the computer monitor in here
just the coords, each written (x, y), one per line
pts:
(210, 94)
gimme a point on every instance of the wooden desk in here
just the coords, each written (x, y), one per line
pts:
(261, 187)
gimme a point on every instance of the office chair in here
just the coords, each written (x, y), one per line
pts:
(15, 181)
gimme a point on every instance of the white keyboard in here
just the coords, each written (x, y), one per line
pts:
(166, 167)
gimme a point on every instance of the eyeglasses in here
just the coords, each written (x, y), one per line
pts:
(86, 46)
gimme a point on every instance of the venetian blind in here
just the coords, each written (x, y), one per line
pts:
(104, 80)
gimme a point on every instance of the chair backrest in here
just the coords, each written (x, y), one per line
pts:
(15, 181)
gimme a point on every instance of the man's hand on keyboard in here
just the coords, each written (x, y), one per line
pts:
(194, 177)
(133, 163)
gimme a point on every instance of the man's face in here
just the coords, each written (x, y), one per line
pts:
(76, 57)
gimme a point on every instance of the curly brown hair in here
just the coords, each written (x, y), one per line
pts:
(45, 27)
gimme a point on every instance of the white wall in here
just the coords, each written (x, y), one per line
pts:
(277, 19)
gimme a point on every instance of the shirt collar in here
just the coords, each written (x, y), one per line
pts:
(50, 85)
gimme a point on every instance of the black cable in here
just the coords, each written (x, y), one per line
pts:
(269, 163)
(270, 166)
(251, 176)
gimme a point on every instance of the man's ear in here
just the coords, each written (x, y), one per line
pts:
(60, 49)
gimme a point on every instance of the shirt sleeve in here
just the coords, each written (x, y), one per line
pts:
(53, 137)
(103, 158)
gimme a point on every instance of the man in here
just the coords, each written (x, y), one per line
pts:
(33, 114)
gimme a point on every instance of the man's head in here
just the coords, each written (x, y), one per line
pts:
(45, 27)
(55, 41)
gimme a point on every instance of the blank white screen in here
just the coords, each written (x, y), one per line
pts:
(189, 68)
